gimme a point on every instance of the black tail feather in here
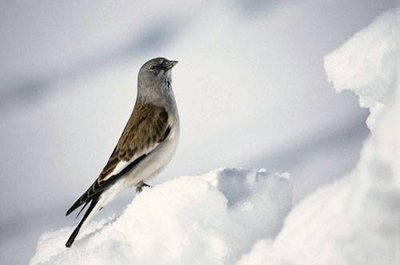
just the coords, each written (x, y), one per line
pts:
(93, 194)
(84, 199)
(76, 231)
(84, 206)
(99, 186)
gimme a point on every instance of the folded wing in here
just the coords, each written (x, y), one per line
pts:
(147, 127)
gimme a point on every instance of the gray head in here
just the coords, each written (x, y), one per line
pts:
(155, 73)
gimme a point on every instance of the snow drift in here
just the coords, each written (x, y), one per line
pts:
(209, 219)
(235, 216)
(357, 220)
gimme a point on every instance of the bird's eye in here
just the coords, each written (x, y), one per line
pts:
(152, 67)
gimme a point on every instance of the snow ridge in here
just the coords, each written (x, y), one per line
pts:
(357, 220)
(235, 216)
(209, 219)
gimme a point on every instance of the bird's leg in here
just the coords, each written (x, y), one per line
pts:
(140, 185)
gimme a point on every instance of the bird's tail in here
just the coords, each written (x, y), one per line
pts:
(90, 212)
(97, 202)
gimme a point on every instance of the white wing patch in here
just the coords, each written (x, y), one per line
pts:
(123, 164)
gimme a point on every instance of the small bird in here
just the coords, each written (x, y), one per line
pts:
(146, 145)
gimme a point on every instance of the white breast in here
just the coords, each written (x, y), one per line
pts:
(157, 160)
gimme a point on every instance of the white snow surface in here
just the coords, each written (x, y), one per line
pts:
(209, 219)
(366, 64)
(250, 88)
(234, 216)
(356, 220)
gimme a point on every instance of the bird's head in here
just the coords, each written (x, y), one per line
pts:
(155, 71)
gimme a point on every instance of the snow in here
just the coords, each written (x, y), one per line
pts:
(68, 81)
(208, 219)
(237, 216)
(357, 219)
(367, 70)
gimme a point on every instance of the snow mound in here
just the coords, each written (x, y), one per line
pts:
(366, 63)
(209, 219)
(234, 216)
(356, 220)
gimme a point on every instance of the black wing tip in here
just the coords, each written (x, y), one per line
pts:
(73, 208)
(68, 212)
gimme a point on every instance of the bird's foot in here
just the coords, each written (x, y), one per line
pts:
(140, 186)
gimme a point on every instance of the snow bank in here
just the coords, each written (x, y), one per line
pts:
(356, 220)
(366, 64)
(218, 217)
(210, 219)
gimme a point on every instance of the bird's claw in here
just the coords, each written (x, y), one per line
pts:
(140, 186)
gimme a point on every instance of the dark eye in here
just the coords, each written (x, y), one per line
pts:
(152, 67)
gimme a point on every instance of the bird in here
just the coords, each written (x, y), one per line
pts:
(145, 146)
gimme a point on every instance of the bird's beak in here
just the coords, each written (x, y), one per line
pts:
(169, 64)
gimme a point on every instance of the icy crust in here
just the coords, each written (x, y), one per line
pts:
(355, 221)
(209, 219)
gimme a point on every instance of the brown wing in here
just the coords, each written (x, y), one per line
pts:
(146, 128)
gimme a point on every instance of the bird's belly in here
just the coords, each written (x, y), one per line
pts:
(156, 161)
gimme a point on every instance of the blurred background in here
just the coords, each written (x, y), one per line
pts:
(250, 87)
